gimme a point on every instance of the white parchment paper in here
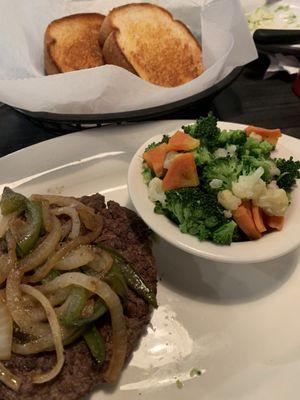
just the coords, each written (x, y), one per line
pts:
(220, 26)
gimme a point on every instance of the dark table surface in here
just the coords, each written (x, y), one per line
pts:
(250, 100)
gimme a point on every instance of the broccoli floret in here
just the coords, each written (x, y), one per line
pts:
(160, 209)
(206, 130)
(225, 233)
(191, 129)
(152, 146)
(253, 147)
(196, 211)
(266, 148)
(195, 228)
(203, 233)
(226, 169)
(289, 172)
(237, 137)
(147, 174)
(202, 156)
(212, 221)
(250, 165)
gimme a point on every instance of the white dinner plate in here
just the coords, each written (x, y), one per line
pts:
(238, 322)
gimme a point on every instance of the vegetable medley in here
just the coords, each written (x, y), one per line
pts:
(220, 185)
(57, 284)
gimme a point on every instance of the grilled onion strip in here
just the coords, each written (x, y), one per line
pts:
(6, 330)
(21, 312)
(5, 267)
(47, 217)
(7, 261)
(63, 251)
(40, 254)
(4, 222)
(55, 329)
(78, 257)
(102, 263)
(9, 379)
(62, 201)
(73, 214)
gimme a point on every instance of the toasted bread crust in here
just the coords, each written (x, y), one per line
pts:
(106, 29)
(49, 65)
(158, 56)
(113, 54)
(71, 43)
(111, 50)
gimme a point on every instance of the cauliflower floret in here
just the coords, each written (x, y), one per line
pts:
(228, 200)
(227, 214)
(274, 171)
(221, 153)
(215, 183)
(274, 202)
(156, 191)
(250, 186)
(272, 185)
(256, 136)
(231, 149)
(169, 158)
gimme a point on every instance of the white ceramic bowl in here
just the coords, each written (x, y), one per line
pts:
(270, 246)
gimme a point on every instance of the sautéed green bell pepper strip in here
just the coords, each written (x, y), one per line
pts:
(133, 280)
(117, 281)
(99, 310)
(76, 303)
(34, 222)
(76, 335)
(11, 202)
(77, 300)
(95, 343)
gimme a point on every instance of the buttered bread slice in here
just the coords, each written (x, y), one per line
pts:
(146, 40)
(72, 43)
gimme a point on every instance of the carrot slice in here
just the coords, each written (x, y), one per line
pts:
(181, 173)
(155, 158)
(243, 217)
(181, 141)
(270, 135)
(257, 215)
(274, 222)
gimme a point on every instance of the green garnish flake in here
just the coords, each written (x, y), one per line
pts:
(291, 18)
(196, 372)
(282, 7)
(179, 384)
(147, 174)
(152, 146)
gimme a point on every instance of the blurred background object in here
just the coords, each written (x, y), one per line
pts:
(275, 25)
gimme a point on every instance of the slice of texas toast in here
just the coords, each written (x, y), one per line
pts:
(72, 43)
(146, 40)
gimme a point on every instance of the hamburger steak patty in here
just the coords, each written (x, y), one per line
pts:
(124, 231)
